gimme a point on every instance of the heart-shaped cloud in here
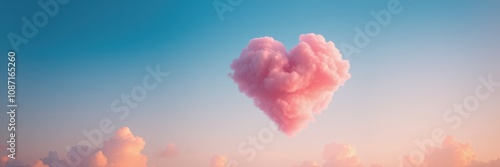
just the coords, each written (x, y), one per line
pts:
(290, 87)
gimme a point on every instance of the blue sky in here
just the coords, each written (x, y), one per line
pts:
(93, 51)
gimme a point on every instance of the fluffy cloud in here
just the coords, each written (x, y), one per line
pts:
(39, 163)
(98, 160)
(7, 162)
(124, 150)
(338, 155)
(3, 160)
(170, 151)
(218, 161)
(290, 87)
(344, 155)
(52, 156)
(450, 154)
(455, 154)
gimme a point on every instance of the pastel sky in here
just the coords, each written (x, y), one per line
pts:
(429, 57)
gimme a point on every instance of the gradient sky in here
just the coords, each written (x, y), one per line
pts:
(91, 52)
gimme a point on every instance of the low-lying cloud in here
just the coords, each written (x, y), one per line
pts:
(170, 151)
(218, 161)
(336, 154)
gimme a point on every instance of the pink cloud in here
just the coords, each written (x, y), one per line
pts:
(290, 87)
(344, 155)
(98, 160)
(39, 163)
(451, 153)
(124, 149)
(218, 161)
(455, 154)
(3, 160)
(170, 151)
